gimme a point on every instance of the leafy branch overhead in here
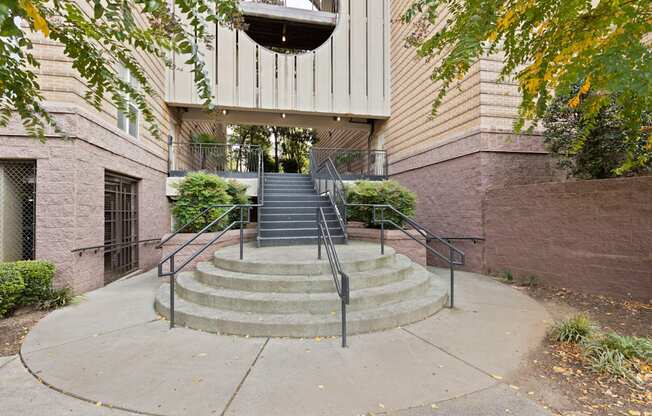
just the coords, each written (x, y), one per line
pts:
(100, 36)
(548, 47)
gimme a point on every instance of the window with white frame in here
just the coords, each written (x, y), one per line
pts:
(129, 123)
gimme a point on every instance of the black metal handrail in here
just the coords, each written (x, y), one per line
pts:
(340, 278)
(212, 157)
(261, 190)
(327, 173)
(356, 163)
(174, 269)
(115, 246)
(454, 258)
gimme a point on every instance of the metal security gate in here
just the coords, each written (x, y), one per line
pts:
(17, 209)
(120, 226)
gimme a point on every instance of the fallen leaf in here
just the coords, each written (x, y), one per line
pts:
(497, 377)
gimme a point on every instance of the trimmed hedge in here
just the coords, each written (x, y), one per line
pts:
(379, 192)
(11, 290)
(197, 192)
(25, 282)
(38, 277)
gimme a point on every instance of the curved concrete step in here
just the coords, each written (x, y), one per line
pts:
(281, 260)
(296, 241)
(192, 290)
(300, 325)
(208, 274)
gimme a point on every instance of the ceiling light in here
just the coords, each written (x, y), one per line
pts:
(225, 112)
(282, 115)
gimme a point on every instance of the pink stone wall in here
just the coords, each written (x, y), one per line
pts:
(230, 238)
(70, 194)
(591, 236)
(400, 242)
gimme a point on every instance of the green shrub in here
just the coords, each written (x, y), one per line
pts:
(615, 354)
(238, 194)
(379, 192)
(37, 275)
(11, 289)
(574, 329)
(199, 191)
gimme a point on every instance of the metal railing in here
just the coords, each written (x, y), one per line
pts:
(319, 5)
(340, 278)
(212, 158)
(261, 192)
(327, 181)
(356, 163)
(454, 257)
(173, 268)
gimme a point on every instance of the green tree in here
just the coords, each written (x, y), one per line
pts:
(100, 36)
(245, 135)
(295, 144)
(548, 46)
(604, 151)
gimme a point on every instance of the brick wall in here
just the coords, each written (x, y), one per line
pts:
(592, 236)
(70, 192)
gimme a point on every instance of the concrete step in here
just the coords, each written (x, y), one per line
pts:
(271, 225)
(293, 180)
(285, 194)
(282, 261)
(294, 210)
(296, 241)
(296, 232)
(192, 290)
(210, 275)
(298, 186)
(284, 216)
(286, 175)
(292, 203)
(300, 325)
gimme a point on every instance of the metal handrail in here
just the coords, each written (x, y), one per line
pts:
(261, 190)
(114, 246)
(453, 252)
(342, 285)
(173, 269)
(338, 200)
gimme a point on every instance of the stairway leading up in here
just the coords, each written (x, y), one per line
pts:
(290, 212)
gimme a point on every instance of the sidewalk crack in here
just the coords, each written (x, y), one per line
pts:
(244, 378)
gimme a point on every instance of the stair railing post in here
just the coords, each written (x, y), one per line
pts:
(345, 299)
(241, 233)
(382, 231)
(172, 281)
(452, 267)
(318, 237)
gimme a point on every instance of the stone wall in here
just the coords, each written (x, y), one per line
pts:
(591, 236)
(396, 239)
(70, 192)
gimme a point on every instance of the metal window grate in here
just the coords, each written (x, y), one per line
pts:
(120, 226)
(17, 209)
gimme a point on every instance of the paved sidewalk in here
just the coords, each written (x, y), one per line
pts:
(112, 348)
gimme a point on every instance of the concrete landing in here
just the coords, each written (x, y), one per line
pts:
(111, 349)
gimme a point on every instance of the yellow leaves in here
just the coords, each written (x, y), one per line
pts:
(586, 86)
(575, 101)
(40, 24)
(492, 36)
(648, 146)
(505, 21)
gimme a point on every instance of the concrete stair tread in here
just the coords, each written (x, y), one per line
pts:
(301, 325)
(214, 276)
(188, 282)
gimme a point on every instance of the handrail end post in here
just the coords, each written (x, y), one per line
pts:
(451, 302)
(172, 282)
(382, 231)
(241, 233)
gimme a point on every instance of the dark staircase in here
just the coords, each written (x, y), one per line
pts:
(290, 211)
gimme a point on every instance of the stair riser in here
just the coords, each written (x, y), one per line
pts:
(293, 197)
(303, 269)
(297, 217)
(273, 242)
(297, 204)
(301, 330)
(295, 210)
(269, 225)
(289, 182)
(298, 232)
(383, 277)
(321, 306)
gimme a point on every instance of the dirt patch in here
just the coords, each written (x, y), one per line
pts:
(14, 328)
(558, 375)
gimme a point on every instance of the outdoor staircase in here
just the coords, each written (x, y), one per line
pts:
(288, 292)
(290, 212)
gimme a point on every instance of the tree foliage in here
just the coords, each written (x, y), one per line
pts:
(548, 46)
(604, 153)
(99, 36)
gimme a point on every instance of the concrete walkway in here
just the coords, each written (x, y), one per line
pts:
(111, 349)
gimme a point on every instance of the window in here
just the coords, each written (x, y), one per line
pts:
(129, 122)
